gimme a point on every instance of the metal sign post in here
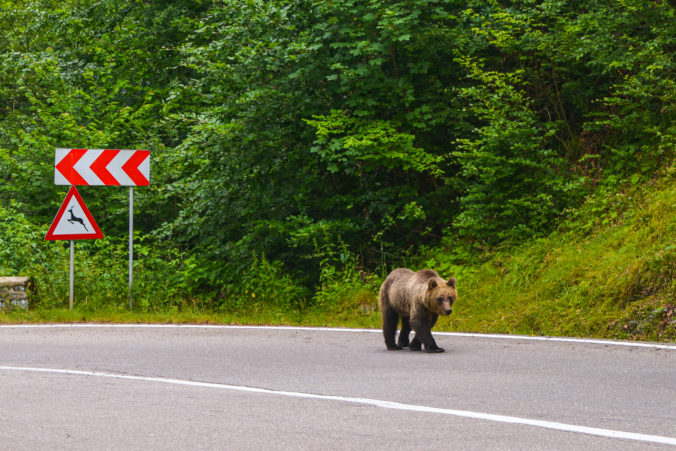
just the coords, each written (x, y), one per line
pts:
(78, 224)
(72, 273)
(131, 243)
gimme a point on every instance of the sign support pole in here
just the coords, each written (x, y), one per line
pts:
(72, 273)
(131, 243)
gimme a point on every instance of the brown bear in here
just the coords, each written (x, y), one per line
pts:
(418, 298)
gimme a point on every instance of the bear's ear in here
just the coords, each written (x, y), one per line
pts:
(451, 282)
(431, 284)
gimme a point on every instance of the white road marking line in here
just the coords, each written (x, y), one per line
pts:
(607, 433)
(633, 344)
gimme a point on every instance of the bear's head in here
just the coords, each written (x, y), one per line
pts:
(441, 296)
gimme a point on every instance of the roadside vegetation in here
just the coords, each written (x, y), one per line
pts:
(300, 150)
(607, 271)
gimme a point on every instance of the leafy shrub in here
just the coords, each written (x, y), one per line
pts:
(265, 283)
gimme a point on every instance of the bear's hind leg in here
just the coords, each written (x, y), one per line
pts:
(390, 320)
(404, 333)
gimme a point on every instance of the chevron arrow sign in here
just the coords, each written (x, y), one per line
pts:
(102, 167)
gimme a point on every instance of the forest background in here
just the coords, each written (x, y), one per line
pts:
(301, 149)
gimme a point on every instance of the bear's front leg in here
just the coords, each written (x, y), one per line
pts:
(432, 345)
(415, 344)
(433, 348)
(423, 334)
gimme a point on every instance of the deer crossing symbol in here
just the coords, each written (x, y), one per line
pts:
(73, 219)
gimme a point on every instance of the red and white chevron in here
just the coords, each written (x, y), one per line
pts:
(102, 167)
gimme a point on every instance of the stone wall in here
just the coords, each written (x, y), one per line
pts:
(14, 292)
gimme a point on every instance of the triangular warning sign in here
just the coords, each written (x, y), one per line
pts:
(73, 220)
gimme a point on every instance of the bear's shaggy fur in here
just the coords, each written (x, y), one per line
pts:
(418, 298)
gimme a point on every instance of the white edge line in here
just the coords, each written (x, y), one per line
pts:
(634, 344)
(607, 433)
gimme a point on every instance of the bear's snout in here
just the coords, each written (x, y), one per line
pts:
(445, 306)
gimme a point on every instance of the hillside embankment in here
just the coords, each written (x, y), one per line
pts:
(608, 271)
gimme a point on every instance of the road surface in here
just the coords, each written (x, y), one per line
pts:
(169, 387)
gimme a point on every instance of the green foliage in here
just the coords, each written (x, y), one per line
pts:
(352, 146)
(516, 182)
(23, 247)
(279, 138)
(284, 134)
(265, 283)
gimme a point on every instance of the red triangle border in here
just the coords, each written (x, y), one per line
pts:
(76, 236)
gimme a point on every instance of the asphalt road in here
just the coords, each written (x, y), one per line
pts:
(265, 388)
